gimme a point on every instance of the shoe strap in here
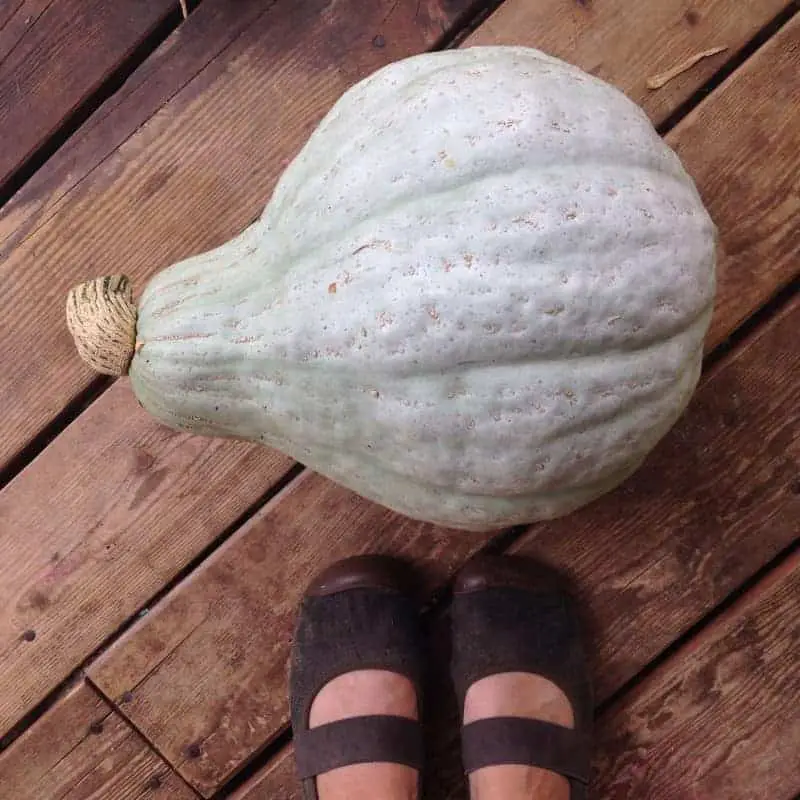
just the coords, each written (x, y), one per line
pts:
(529, 742)
(359, 740)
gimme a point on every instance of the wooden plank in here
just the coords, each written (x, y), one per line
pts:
(277, 781)
(224, 634)
(14, 25)
(133, 210)
(754, 115)
(654, 558)
(719, 718)
(81, 749)
(53, 58)
(211, 28)
(85, 499)
(75, 563)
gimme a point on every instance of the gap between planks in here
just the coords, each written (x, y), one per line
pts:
(710, 619)
(84, 749)
(48, 136)
(735, 60)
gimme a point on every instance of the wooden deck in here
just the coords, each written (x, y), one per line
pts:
(148, 580)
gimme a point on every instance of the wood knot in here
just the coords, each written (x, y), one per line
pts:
(101, 317)
(194, 751)
(154, 783)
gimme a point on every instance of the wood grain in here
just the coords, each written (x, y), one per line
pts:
(54, 56)
(719, 718)
(82, 750)
(131, 212)
(753, 120)
(275, 782)
(224, 634)
(94, 529)
(14, 24)
(718, 501)
(210, 29)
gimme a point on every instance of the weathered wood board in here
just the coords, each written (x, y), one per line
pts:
(719, 718)
(53, 56)
(614, 40)
(751, 121)
(211, 28)
(277, 781)
(75, 563)
(83, 750)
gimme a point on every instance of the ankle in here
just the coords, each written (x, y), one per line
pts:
(511, 782)
(368, 782)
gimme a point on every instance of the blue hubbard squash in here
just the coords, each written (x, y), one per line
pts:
(477, 296)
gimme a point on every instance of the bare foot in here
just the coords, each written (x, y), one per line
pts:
(517, 695)
(358, 694)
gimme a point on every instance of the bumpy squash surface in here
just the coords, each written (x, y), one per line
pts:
(478, 295)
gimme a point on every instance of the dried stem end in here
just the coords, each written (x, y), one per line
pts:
(101, 317)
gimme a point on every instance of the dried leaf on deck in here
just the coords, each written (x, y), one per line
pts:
(663, 78)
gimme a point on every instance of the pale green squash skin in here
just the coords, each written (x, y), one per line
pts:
(478, 296)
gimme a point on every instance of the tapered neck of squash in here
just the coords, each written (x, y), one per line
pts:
(101, 317)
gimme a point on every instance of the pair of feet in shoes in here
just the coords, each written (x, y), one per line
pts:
(518, 666)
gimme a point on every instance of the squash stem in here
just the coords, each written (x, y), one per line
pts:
(101, 317)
